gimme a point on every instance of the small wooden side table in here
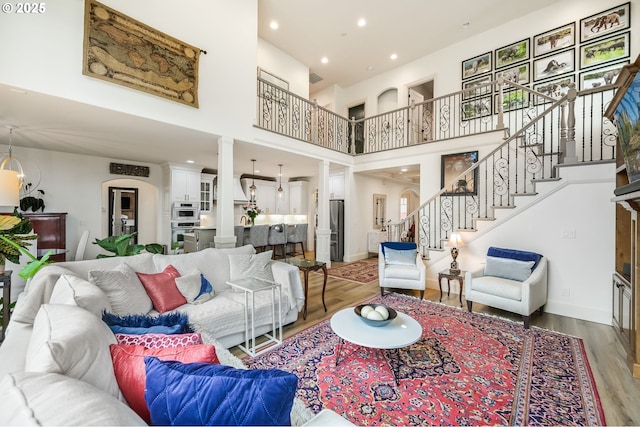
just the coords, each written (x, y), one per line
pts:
(446, 274)
(5, 284)
(307, 265)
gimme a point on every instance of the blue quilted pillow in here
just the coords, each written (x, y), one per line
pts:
(205, 394)
(171, 323)
(399, 246)
(515, 254)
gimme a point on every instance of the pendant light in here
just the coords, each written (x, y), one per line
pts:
(280, 190)
(11, 177)
(252, 188)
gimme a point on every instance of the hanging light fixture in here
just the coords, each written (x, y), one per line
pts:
(11, 177)
(252, 188)
(280, 190)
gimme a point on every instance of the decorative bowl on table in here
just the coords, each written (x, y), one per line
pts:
(375, 314)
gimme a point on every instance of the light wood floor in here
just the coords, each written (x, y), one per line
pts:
(619, 391)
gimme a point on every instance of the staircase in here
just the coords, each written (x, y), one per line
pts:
(542, 134)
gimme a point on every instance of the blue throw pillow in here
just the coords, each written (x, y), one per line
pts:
(515, 254)
(206, 394)
(170, 323)
(399, 246)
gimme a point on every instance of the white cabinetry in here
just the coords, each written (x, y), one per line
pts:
(265, 194)
(282, 199)
(374, 238)
(336, 186)
(298, 197)
(206, 192)
(185, 184)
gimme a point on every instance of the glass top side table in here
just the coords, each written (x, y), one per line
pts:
(307, 265)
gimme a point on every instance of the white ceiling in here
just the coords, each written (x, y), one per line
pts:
(307, 31)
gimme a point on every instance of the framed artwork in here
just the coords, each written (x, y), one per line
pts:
(273, 79)
(478, 65)
(555, 88)
(476, 108)
(553, 65)
(471, 87)
(606, 22)
(519, 74)
(453, 165)
(604, 50)
(553, 40)
(601, 76)
(512, 53)
(513, 100)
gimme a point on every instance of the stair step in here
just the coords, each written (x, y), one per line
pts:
(503, 207)
(534, 180)
(553, 153)
(533, 145)
(523, 194)
(484, 219)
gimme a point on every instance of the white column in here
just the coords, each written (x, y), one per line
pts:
(224, 208)
(323, 232)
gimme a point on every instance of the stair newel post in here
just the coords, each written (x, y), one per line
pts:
(563, 132)
(570, 152)
(352, 123)
(500, 83)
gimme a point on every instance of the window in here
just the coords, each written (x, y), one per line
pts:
(403, 207)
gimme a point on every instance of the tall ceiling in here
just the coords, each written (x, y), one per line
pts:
(307, 32)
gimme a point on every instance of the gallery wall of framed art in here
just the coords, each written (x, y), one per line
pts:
(589, 51)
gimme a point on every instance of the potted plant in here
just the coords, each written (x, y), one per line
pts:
(122, 246)
(252, 212)
(31, 202)
(14, 240)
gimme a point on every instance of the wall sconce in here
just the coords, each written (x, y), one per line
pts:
(454, 242)
(280, 190)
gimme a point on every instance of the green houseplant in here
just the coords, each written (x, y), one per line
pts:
(122, 246)
(31, 202)
(14, 240)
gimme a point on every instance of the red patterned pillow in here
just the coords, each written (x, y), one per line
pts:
(160, 340)
(129, 368)
(162, 289)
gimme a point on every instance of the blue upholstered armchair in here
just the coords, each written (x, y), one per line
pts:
(400, 266)
(511, 280)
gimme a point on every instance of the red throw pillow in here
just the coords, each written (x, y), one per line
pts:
(129, 368)
(162, 289)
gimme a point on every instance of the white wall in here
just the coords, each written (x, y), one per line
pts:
(276, 62)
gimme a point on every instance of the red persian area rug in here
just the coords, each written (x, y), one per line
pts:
(359, 271)
(467, 369)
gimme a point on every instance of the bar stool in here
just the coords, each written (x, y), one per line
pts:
(238, 231)
(259, 237)
(299, 235)
(277, 237)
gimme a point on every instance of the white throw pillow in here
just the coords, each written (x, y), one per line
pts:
(508, 268)
(191, 287)
(400, 256)
(124, 290)
(71, 341)
(73, 290)
(245, 266)
(35, 398)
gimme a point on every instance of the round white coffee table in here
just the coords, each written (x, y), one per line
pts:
(400, 332)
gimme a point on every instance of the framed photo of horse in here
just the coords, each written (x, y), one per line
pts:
(553, 40)
(606, 22)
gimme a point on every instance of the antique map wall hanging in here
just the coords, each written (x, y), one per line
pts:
(121, 50)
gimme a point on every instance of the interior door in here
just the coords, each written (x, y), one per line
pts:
(357, 112)
(415, 122)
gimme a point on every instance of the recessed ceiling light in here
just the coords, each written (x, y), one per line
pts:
(190, 161)
(370, 68)
(324, 60)
(404, 170)
(362, 22)
(466, 25)
(274, 25)
(257, 171)
(394, 56)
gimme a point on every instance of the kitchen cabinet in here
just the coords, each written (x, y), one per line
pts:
(199, 239)
(185, 184)
(622, 309)
(336, 186)
(374, 238)
(298, 197)
(265, 194)
(51, 229)
(206, 192)
(282, 200)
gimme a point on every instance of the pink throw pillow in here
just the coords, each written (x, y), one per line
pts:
(160, 340)
(129, 368)
(162, 289)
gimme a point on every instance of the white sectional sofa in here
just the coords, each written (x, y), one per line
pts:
(55, 395)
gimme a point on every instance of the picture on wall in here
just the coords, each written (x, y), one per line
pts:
(519, 74)
(601, 76)
(475, 66)
(453, 166)
(604, 50)
(512, 53)
(554, 88)
(472, 87)
(476, 108)
(553, 65)
(513, 100)
(553, 40)
(606, 22)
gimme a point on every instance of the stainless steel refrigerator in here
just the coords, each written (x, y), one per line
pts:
(336, 223)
